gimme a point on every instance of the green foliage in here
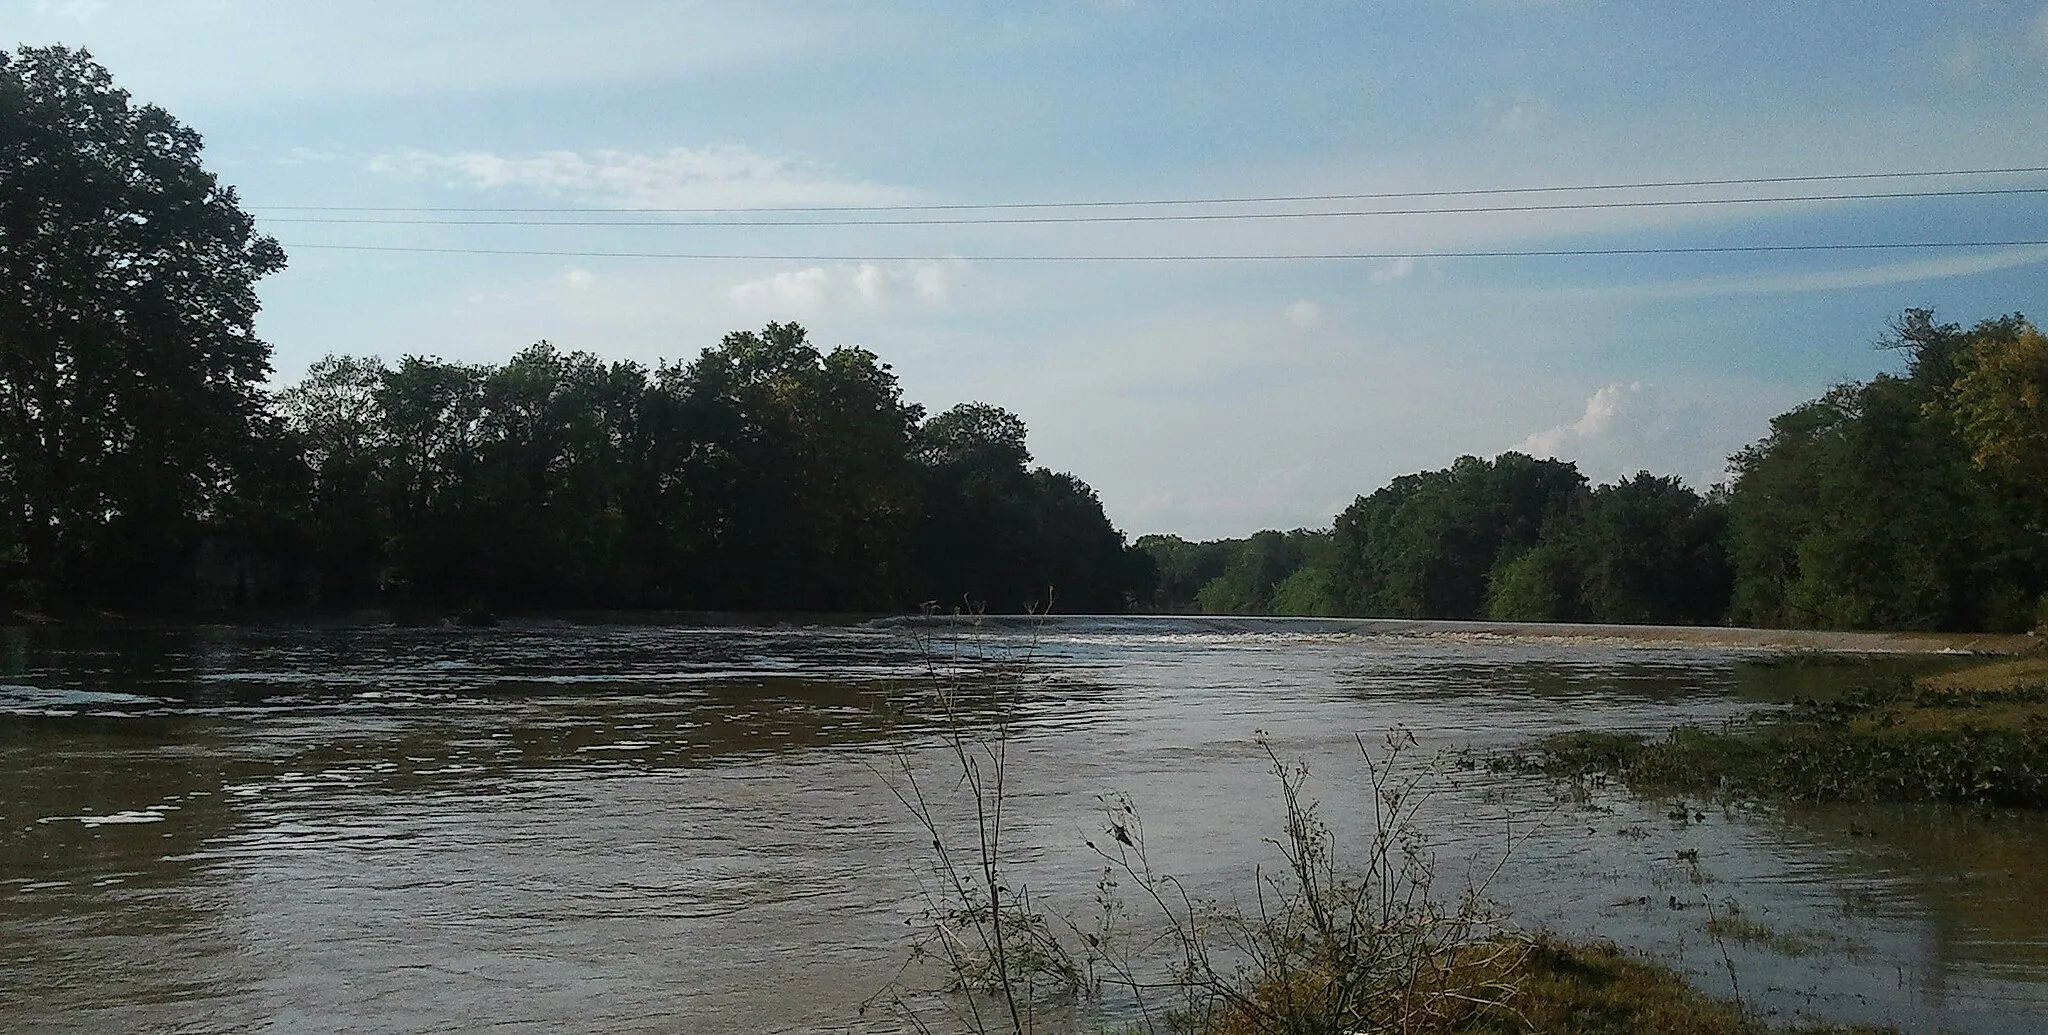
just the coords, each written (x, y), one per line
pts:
(1182, 568)
(766, 474)
(1908, 742)
(1864, 509)
(1999, 401)
(1643, 551)
(999, 535)
(1309, 590)
(141, 466)
(1269, 573)
(1427, 545)
(129, 368)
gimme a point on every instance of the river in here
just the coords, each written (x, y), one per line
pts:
(634, 828)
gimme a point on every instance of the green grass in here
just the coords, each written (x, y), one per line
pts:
(1541, 985)
(1568, 989)
(1976, 736)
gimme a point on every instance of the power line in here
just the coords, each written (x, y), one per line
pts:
(1270, 199)
(1177, 217)
(1267, 257)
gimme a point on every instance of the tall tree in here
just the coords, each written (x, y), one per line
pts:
(1863, 509)
(129, 364)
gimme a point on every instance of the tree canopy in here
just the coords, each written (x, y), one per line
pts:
(130, 408)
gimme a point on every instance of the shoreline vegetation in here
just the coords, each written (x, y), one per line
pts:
(149, 469)
(1975, 736)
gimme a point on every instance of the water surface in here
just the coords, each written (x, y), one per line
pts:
(630, 828)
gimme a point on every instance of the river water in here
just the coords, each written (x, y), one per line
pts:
(554, 827)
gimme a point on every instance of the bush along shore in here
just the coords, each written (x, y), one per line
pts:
(1976, 736)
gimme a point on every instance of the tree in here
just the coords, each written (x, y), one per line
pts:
(1864, 508)
(129, 364)
(1999, 399)
(1426, 545)
(1642, 550)
(1180, 569)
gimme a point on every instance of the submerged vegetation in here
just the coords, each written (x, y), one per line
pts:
(1978, 736)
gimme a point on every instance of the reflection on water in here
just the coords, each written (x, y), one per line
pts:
(549, 828)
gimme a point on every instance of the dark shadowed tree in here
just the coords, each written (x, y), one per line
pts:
(1427, 545)
(1643, 550)
(129, 366)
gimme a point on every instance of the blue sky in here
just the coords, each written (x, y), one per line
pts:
(1200, 398)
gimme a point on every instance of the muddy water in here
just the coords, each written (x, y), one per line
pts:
(658, 829)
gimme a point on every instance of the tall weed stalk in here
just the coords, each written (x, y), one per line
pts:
(1327, 945)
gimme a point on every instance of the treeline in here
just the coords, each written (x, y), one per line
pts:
(1912, 501)
(765, 475)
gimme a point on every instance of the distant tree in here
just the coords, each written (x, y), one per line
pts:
(1643, 550)
(129, 364)
(1427, 545)
(976, 439)
(1180, 570)
(994, 533)
(337, 421)
(1273, 573)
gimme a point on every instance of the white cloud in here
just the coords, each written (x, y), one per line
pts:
(308, 156)
(1632, 426)
(1601, 409)
(1303, 314)
(867, 286)
(1516, 112)
(680, 177)
(1397, 269)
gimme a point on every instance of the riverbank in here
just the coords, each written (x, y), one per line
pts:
(1772, 640)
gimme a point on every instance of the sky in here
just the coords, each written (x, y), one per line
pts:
(1199, 397)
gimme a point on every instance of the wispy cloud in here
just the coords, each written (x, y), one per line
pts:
(1938, 267)
(1397, 269)
(867, 286)
(680, 177)
(1302, 314)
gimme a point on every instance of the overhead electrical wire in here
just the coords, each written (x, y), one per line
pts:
(1173, 217)
(1253, 257)
(1139, 203)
